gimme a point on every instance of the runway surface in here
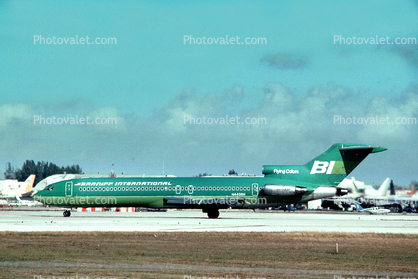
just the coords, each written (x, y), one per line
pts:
(195, 221)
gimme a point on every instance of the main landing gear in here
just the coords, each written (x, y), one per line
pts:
(213, 213)
(66, 213)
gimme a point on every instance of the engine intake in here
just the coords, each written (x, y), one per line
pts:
(341, 192)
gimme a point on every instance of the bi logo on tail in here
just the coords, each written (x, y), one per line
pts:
(322, 167)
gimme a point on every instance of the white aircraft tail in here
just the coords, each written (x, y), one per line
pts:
(383, 187)
(29, 183)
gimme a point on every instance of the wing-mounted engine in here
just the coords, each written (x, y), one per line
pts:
(283, 190)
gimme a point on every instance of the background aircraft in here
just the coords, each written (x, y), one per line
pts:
(397, 203)
(369, 197)
(357, 191)
(372, 210)
(11, 188)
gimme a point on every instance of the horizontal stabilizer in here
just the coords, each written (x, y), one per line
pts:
(374, 149)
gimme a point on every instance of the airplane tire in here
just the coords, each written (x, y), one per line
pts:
(66, 213)
(396, 208)
(213, 214)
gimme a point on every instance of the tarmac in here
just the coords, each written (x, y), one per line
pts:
(196, 221)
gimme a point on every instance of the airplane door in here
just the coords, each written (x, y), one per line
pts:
(190, 190)
(68, 189)
(178, 189)
(254, 188)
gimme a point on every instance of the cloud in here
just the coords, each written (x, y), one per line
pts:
(107, 119)
(297, 126)
(395, 118)
(407, 51)
(283, 61)
(292, 121)
(15, 115)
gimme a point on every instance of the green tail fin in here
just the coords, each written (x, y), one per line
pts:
(329, 168)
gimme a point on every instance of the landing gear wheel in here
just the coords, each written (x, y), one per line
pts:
(213, 214)
(66, 213)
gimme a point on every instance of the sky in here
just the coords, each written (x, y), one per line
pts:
(311, 72)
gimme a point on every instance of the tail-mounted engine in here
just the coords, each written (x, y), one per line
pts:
(283, 190)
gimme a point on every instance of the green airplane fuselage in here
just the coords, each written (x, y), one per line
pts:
(152, 191)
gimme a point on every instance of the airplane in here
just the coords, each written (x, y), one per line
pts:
(404, 193)
(358, 192)
(281, 184)
(12, 188)
(397, 203)
(372, 210)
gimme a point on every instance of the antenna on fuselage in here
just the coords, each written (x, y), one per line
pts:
(112, 172)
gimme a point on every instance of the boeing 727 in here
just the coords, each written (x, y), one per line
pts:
(281, 184)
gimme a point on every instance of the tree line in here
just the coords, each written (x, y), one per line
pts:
(40, 169)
